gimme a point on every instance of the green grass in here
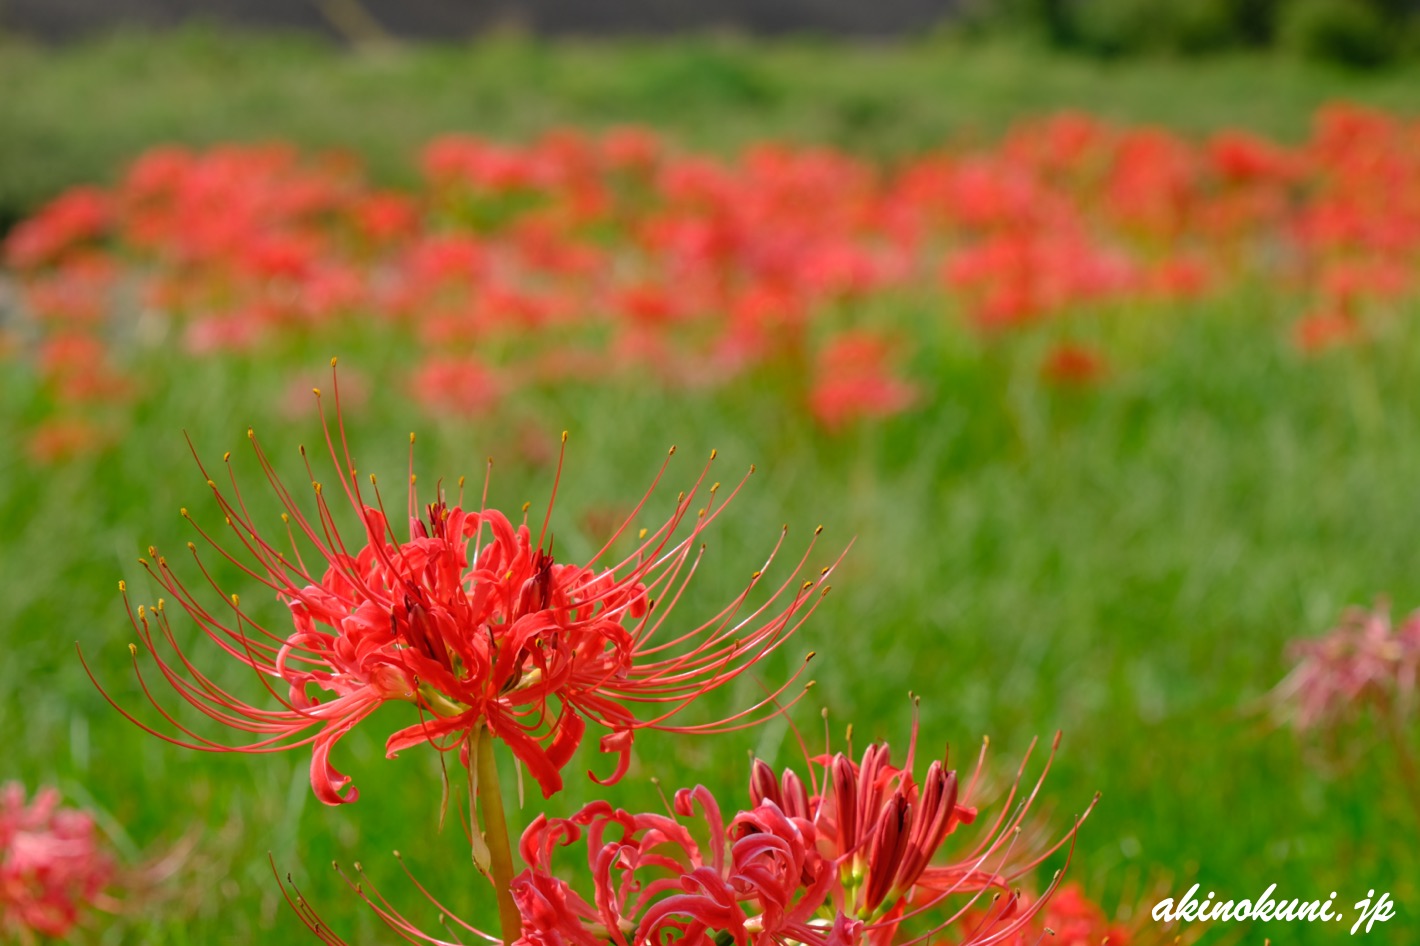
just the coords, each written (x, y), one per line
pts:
(77, 113)
(1124, 564)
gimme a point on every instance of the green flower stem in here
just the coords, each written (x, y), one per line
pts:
(495, 834)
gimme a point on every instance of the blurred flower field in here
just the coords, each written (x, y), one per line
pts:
(1106, 413)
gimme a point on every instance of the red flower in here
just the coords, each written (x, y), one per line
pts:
(1324, 330)
(854, 381)
(843, 860)
(1364, 661)
(52, 865)
(1073, 365)
(471, 620)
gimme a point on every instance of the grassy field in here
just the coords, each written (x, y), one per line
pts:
(1124, 563)
(75, 113)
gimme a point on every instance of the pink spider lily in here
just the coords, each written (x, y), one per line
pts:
(52, 865)
(851, 858)
(470, 619)
(1363, 661)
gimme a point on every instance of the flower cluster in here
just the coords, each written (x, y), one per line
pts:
(470, 620)
(576, 257)
(53, 865)
(849, 857)
(1364, 662)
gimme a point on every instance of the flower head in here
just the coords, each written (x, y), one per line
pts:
(52, 864)
(1364, 661)
(471, 619)
(852, 856)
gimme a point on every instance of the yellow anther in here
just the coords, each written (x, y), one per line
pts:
(183, 512)
(192, 546)
(133, 650)
(333, 361)
(411, 436)
(315, 391)
(527, 506)
(316, 486)
(251, 432)
(211, 484)
(372, 479)
(227, 457)
(715, 487)
(714, 453)
(818, 531)
(412, 479)
(122, 585)
(285, 518)
(755, 576)
(641, 534)
(671, 453)
(564, 436)
(806, 586)
(160, 605)
(461, 482)
(751, 467)
(142, 611)
(236, 600)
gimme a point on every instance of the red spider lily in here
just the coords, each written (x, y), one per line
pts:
(1073, 366)
(854, 380)
(75, 218)
(844, 860)
(1324, 330)
(52, 865)
(1365, 661)
(470, 619)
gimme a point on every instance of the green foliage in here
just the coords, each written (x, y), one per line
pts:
(1362, 33)
(64, 119)
(1349, 33)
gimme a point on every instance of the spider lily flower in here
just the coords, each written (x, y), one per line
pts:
(52, 865)
(471, 619)
(1364, 661)
(853, 857)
